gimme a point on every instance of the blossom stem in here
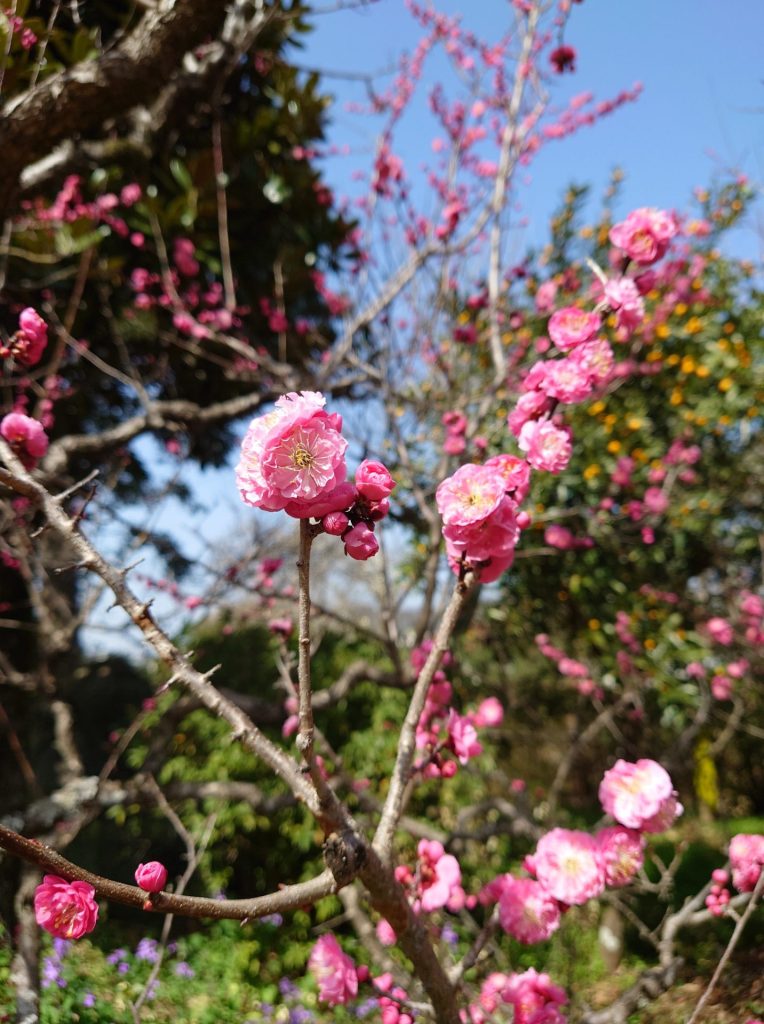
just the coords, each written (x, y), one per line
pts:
(305, 708)
(741, 923)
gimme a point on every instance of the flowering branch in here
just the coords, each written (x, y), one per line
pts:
(289, 898)
(183, 671)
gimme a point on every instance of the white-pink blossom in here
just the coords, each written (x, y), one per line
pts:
(640, 795)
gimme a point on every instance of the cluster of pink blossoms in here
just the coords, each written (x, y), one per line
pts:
(442, 730)
(27, 345)
(588, 362)
(436, 880)
(747, 862)
(533, 997)
(293, 458)
(569, 667)
(479, 506)
(570, 867)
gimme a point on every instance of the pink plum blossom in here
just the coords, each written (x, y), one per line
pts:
(334, 971)
(67, 910)
(720, 631)
(470, 495)
(746, 860)
(621, 853)
(571, 326)
(645, 234)
(293, 458)
(29, 343)
(335, 523)
(545, 297)
(546, 446)
(623, 297)
(567, 865)
(25, 435)
(489, 713)
(440, 877)
(527, 911)
(597, 359)
(462, 736)
(515, 473)
(568, 380)
(530, 406)
(534, 998)
(639, 795)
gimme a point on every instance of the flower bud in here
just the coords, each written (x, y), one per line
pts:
(335, 523)
(373, 480)
(151, 877)
(360, 542)
(378, 509)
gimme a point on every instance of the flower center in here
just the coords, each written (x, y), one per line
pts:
(302, 457)
(65, 918)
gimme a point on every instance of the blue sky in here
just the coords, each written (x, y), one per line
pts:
(701, 112)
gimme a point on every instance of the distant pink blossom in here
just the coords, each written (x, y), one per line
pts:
(67, 910)
(567, 865)
(639, 795)
(334, 971)
(558, 537)
(489, 713)
(721, 687)
(462, 736)
(655, 500)
(746, 860)
(545, 297)
(720, 631)
(563, 58)
(623, 297)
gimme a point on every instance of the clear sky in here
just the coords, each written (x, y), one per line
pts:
(701, 112)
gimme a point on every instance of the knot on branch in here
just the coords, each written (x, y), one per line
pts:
(344, 855)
